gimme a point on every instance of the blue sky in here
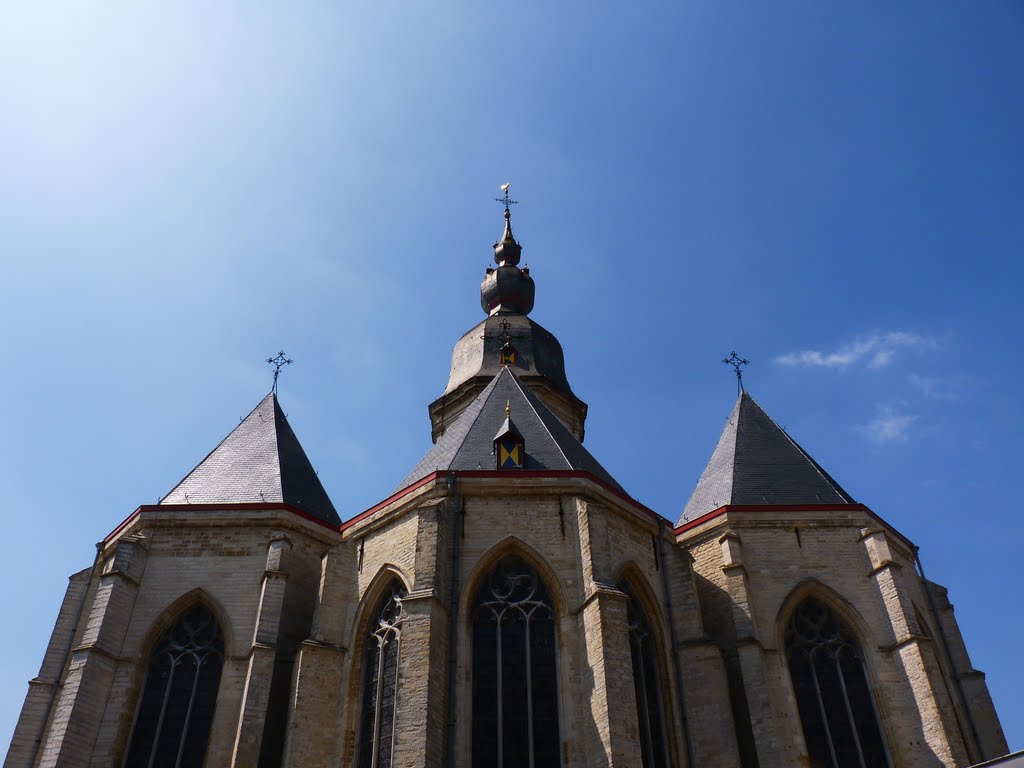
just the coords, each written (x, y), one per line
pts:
(834, 192)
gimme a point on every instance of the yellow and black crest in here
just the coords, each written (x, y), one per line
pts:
(507, 355)
(510, 454)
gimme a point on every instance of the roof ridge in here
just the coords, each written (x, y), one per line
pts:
(277, 442)
(547, 428)
(734, 420)
(482, 398)
(223, 440)
(818, 468)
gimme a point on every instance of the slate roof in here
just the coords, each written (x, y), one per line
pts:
(756, 462)
(468, 442)
(260, 461)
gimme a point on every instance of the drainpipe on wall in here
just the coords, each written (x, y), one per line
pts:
(456, 505)
(675, 651)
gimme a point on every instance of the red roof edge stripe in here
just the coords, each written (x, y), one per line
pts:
(792, 508)
(391, 499)
(246, 507)
(433, 476)
(556, 473)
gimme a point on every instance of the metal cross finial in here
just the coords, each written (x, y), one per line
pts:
(278, 362)
(505, 199)
(737, 362)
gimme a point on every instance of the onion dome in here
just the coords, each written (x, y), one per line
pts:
(507, 289)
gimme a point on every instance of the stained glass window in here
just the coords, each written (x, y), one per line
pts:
(172, 726)
(832, 691)
(646, 683)
(515, 676)
(380, 681)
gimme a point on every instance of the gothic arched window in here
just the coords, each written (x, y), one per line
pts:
(172, 726)
(515, 686)
(646, 683)
(832, 691)
(380, 681)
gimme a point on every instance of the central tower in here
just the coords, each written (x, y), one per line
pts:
(508, 337)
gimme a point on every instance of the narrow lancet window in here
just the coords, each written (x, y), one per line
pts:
(646, 683)
(832, 692)
(380, 681)
(172, 726)
(515, 677)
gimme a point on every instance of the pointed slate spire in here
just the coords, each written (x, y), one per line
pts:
(260, 461)
(469, 443)
(756, 462)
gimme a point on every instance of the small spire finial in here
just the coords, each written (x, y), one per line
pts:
(508, 409)
(507, 251)
(278, 362)
(504, 200)
(737, 362)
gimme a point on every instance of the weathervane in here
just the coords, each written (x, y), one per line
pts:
(505, 199)
(278, 362)
(736, 362)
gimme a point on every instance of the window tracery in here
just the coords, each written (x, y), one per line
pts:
(833, 696)
(380, 681)
(175, 713)
(515, 688)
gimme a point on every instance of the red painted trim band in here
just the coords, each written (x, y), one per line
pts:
(791, 508)
(245, 507)
(390, 499)
(432, 477)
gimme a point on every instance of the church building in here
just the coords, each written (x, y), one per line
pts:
(508, 605)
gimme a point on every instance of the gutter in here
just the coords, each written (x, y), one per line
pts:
(457, 506)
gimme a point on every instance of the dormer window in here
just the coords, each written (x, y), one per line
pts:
(509, 446)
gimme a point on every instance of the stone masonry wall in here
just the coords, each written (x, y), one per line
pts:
(295, 601)
(166, 569)
(754, 568)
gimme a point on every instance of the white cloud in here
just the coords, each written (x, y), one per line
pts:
(877, 350)
(889, 426)
(939, 387)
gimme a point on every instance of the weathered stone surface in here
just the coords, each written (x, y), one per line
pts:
(289, 592)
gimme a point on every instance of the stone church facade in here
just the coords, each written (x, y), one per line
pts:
(509, 604)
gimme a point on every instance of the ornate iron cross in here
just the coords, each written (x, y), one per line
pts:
(737, 362)
(278, 362)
